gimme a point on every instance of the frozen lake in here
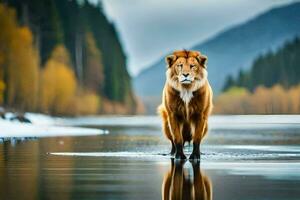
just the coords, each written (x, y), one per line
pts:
(243, 157)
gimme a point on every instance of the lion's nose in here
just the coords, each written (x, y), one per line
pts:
(186, 75)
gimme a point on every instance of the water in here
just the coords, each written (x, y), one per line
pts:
(244, 157)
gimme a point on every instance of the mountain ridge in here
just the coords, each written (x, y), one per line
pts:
(267, 31)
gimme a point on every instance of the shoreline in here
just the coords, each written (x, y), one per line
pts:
(40, 125)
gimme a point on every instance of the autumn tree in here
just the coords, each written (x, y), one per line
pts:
(84, 103)
(274, 100)
(2, 88)
(233, 101)
(96, 64)
(18, 62)
(58, 83)
(294, 100)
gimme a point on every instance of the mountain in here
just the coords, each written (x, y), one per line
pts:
(231, 50)
(281, 67)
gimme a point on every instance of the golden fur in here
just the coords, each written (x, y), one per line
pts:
(186, 102)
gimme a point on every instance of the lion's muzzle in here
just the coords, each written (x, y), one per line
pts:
(185, 79)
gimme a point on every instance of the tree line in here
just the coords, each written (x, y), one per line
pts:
(62, 57)
(271, 86)
(274, 100)
(281, 67)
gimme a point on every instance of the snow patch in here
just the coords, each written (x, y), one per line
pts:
(9, 129)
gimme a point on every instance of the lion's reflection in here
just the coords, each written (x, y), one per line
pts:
(180, 183)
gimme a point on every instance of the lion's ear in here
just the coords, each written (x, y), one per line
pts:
(170, 60)
(202, 59)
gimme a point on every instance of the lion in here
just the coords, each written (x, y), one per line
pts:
(186, 101)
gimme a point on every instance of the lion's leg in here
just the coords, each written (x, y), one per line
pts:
(175, 128)
(173, 150)
(168, 134)
(200, 129)
(166, 128)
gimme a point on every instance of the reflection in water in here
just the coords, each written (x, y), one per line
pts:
(28, 171)
(23, 173)
(181, 183)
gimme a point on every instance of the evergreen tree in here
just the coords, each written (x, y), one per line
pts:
(282, 67)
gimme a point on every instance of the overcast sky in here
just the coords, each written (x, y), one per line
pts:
(151, 28)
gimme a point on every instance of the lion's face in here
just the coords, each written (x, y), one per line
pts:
(186, 69)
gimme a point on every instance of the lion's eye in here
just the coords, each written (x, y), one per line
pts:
(191, 66)
(180, 65)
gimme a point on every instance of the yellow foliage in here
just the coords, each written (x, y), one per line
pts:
(59, 93)
(294, 100)
(55, 85)
(54, 88)
(232, 101)
(2, 88)
(8, 24)
(18, 62)
(24, 71)
(84, 103)
(275, 100)
(58, 86)
(61, 55)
